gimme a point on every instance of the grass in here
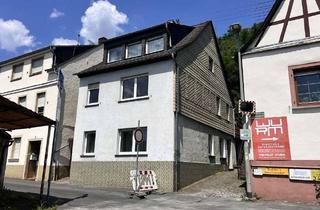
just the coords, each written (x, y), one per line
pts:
(12, 200)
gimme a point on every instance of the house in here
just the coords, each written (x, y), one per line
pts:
(281, 73)
(170, 78)
(32, 80)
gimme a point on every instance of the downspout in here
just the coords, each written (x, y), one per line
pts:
(57, 125)
(242, 96)
(176, 123)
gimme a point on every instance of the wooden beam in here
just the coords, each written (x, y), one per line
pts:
(306, 18)
(286, 21)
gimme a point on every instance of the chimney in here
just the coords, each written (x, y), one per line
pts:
(102, 40)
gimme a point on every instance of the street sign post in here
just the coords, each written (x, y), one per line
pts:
(138, 136)
(245, 134)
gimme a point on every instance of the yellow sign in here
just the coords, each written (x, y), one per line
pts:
(275, 171)
(315, 174)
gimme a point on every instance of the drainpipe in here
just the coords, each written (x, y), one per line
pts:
(57, 125)
(176, 123)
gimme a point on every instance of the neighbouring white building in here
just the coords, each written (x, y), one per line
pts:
(170, 78)
(31, 80)
(281, 73)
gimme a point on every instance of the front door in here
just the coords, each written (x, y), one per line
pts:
(33, 159)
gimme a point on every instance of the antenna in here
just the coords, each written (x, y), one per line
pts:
(91, 42)
(78, 40)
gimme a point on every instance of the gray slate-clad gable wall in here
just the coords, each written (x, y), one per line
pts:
(200, 87)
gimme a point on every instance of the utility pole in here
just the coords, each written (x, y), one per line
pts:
(236, 29)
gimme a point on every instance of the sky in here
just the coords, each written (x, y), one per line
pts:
(27, 25)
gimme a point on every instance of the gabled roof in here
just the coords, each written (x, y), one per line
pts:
(258, 35)
(191, 33)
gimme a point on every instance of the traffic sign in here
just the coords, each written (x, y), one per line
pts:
(245, 134)
(138, 135)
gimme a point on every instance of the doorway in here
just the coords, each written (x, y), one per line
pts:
(33, 159)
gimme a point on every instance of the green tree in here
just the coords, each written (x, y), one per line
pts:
(229, 45)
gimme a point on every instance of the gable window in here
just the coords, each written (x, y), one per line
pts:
(211, 64)
(89, 142)
(218, 105)
(127, 143)
(22, 101)
(17, 72)
(134, 50)
(135, 87)
(40, 103)
(114, 54)
(15, 150)
(36, 66)
(93, 94)
(155, 45)
(305, 85)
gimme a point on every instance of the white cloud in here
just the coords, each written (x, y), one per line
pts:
(102, 19)
(63, 41)
(56, 13)
(14, 34)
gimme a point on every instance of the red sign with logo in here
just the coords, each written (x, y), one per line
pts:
(270, 139)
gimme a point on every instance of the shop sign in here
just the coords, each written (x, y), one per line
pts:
(304, 174)
(271, 171)
(270, 139)
(276, 171)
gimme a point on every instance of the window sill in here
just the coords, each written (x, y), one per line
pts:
(34, 74)
(87, 156)
(311, 106)
(134, 99)
(91, 105)
(131, 155)
(13, 160)
(12, 80)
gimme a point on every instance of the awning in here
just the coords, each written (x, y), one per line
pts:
(14, 116)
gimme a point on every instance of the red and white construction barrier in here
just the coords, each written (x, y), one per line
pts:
(146, 180)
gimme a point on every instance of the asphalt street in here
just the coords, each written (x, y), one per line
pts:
(79, 198)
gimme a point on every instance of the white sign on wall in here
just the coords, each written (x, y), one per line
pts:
(300, 174)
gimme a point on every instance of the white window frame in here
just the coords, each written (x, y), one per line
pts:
(18, 102)
(31, 68)
(219, 105)
(152, 39)
(44, 105)
(228, 109)
(133, 142)
(127, 49)
(13, 72)
(13, 148)
(85, 143)
(211, 149)
(108, 56)
(93, 88)
(134, 88)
